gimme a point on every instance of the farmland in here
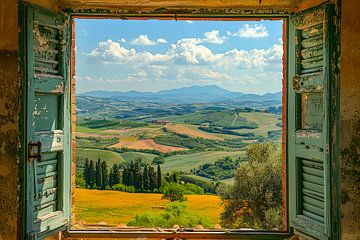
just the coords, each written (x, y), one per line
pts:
(196, 146)
(117, 208)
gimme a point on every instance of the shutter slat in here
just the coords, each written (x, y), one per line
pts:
(312, 41)
(313, 201)
(313, 216)
(313, 179)
(312, 31)
(313, 186)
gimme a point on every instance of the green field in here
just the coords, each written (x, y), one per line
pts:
(189, 161)
(93, 154)
(129, 156)
(229, 181)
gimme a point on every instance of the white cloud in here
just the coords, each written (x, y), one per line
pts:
(214, 37)
(142, 40)
(123, 40)
(187, 61)
(161, 40)
(189, 21)
(251, 31)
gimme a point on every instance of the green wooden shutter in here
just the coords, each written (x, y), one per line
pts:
(48, 168)
(309, 123)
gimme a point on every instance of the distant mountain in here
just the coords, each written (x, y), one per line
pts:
(193, 94)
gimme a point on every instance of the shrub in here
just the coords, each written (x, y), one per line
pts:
(174, 192)
(174, 213)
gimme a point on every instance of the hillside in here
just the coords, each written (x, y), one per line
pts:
(209, 93)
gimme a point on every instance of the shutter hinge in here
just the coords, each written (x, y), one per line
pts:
(326, 148)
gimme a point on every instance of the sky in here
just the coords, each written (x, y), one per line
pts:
(154, 55)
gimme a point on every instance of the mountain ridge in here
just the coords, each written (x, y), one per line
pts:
(208, 93)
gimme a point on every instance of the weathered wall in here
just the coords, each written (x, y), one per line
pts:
(350, 119)
(9, 97)
(49, 4)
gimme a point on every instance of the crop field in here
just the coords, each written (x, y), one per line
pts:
(191, 131)
(117, 208)
(129, 156)
(266, 122)
(189, 161)
(93, 154)
(145, 144)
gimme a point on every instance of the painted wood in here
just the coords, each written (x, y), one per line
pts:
(48, 122)
(309, 121)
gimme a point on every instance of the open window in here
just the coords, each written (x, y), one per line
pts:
(46, 173)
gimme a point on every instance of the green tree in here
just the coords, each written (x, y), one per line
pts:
(86, 172)
(152, 178)
(146, 183)
(174, 192)
(92, 174)
(116, 174)
(255, 198)
(158, 176)
(105, 175)
(98, 174)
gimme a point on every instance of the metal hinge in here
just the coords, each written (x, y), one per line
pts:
(326, 148)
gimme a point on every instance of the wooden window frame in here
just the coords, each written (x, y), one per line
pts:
(189, 233)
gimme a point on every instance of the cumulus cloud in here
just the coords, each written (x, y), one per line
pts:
(142, 40)
(214, 37)
(251, 31)
(123, 40)
(189, 61)
(161, 40)
(189, 21)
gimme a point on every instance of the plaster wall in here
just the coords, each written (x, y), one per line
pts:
(9, 107)
(350, 119)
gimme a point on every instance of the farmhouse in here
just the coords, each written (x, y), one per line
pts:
(321, 114)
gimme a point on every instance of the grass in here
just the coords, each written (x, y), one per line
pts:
(266, 122)
(113, 207)
(189, 161)
(128, 156)
(229, 181)
(93, 154)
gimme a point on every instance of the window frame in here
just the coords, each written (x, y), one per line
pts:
(188, 233)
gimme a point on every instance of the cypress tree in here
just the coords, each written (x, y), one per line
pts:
(98, 174)
(116, 174)
(105, 175)
(92, 174)
(158, 176)
(111, 177)
(152, 178)
(86, 172)
(125, 176)
(146, 178)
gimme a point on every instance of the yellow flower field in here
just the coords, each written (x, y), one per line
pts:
(117, 208)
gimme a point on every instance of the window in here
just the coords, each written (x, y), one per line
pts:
(188, 120)
(47, 165)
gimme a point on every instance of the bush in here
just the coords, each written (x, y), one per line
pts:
(174, 192)
(174, 213)
(123, 188)
(79, 180)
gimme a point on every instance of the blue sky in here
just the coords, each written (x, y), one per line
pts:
(152, 55)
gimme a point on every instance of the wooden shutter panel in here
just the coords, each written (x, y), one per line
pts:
(309, 123)
(48, 122)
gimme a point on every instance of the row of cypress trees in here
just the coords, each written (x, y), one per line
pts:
(97, 175)
(142, 177)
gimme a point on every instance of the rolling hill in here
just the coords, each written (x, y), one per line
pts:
(193, 94)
